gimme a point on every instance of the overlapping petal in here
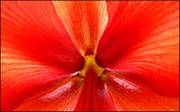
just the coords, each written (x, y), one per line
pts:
(142, 38)
(35, 49)
(35, 29)
(38, 55)
(131, 93)
(85, 22)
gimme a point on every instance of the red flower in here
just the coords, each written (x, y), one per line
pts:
(90, 55)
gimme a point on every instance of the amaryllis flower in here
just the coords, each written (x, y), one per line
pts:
(89, 55)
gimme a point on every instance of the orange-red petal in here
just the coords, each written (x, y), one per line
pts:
(20, 76)
(85, 22)
(143, 38)
(130, 93)
(34, 28)
(35, 49)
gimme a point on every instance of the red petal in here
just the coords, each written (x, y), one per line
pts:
(94, 94)
(35, 29)
(130, 93)
(85, 22)
(35, 49)
(58, 95)
(20, 76)
(143, 38)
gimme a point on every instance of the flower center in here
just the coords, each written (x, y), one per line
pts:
(93, 86)
(91, 63)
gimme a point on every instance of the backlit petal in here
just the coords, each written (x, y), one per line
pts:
(130, 93)
(143, 38)
(35, 29)
(35, 49)
(85, 22)
(20, 76)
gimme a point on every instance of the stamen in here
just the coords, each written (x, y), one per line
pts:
(90, 62)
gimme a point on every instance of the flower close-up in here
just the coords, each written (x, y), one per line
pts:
(89, 55)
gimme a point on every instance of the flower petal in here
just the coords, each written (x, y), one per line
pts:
(130, 93)
(143, 38)
(58, 95)
(85, 22)
(20, 76)
(35, 49)
(34, 28)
